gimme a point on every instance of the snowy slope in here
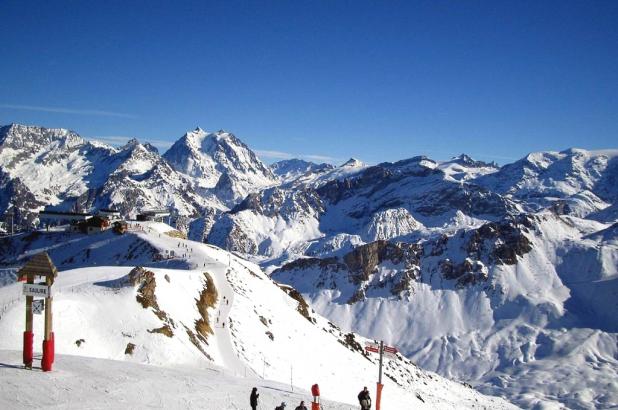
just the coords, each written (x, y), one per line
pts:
(502, 307)
(265, 330)
(91, 383)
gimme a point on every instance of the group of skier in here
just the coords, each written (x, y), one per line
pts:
(364, 399)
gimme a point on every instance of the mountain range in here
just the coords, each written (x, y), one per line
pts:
(502, 277)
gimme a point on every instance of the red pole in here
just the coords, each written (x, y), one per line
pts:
(28, 334)
(379, 385)
(46, 362)
(28, 348)
(53, 348)
(379, 395)
(315, 392)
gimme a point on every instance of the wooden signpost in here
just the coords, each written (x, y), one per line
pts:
(383, 350)
(40, 266)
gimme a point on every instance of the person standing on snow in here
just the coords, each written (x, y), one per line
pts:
(253, 399)
(301, 406)
(282, 407)
(364, 399)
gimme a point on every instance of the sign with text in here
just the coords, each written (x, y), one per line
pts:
(37, 291)
(389, 349)
(372, 349)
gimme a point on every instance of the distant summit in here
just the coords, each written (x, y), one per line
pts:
(291, 169)
(219, 164)
(353, 163)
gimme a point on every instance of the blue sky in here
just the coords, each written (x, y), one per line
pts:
(325, 80)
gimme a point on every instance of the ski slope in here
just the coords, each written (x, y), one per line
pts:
(87, 383)
(266, 338)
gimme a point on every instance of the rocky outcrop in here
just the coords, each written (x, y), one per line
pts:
(208, 298)
(397, 266)
(504, 241)
(363, 260)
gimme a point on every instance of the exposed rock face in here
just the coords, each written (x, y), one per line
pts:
(360, 266)
(363, 260)
(303, 308)
(506, 240)
(397, 266)
(146, 284)
(208, 298)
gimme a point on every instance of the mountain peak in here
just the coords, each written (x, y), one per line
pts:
(206, 156)
(353, 163)
(465, 159)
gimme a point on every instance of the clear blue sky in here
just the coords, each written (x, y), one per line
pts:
(379, 80)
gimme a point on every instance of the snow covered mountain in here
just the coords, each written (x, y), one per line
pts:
(291, 169)
(57, 167)
(355, 203)
(204, 309)
(497, 276)
(220, 165)
(492, 276)
(584, 181)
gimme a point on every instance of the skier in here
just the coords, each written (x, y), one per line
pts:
(364, 399)
(253, 399)
(301, 406)
(282, 407)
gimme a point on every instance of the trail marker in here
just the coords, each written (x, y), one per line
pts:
(382, 350)
(39, 266)
(37, 291)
